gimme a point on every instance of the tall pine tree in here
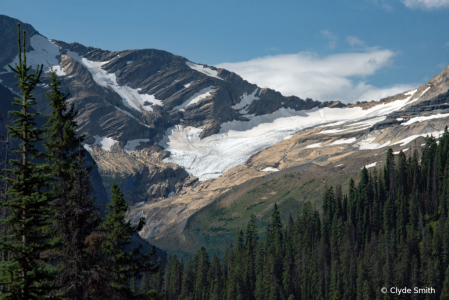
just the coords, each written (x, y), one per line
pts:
(124, 265)
(26, 271)
(74, 208)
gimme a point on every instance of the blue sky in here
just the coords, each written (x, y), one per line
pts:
(327, 50)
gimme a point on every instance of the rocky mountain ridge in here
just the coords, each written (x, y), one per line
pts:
(128, 99)
(179, 136)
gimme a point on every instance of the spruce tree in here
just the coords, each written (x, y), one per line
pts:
(144, 283)
(187, 282)
(202, 265)
(26, 272)
(123, 265)
(76, 216)
(158, 281)
(445, 291)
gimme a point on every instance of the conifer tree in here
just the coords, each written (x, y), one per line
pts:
(251, 238)
(4, 185)
(144, 283)
(26, 272)
(74, 208)
(202, 265)
(445, 291)
(158, 278)
(124, 265)
(187, 282)
(215, 277)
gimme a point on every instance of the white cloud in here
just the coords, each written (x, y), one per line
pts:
(333, 77)
(383, 4)
(429, 4)
(353, 41)
(331, 37)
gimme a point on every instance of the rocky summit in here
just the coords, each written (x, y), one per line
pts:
(188, 142)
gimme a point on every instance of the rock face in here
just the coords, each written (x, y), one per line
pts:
(179, 136)
(8, 33)
(127, 100)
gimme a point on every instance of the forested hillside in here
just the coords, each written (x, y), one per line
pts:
(390, 229)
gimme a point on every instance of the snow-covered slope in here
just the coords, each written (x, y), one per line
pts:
(238, 140)
(44, 53)
(131, 97)
(203, 69)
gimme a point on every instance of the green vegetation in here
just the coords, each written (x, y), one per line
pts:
(57, 246)
(25, 273)
(74, 214)
(390, 230)
(216, 224)
(124, 267)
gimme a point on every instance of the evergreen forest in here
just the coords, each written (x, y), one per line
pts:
(391, 229)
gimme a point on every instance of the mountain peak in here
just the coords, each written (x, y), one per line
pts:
(441, 80)
(8, 38)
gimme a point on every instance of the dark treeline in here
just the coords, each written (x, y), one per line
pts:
(390, 230)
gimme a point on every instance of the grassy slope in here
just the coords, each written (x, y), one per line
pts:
(214, 225)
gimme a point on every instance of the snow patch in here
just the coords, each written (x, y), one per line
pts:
(368, 145)
(371, 165)
(314, 145)
(344, 141)
(131, 145)
(210, 176)
(87, 147)
(356, 126)
(397, 152)
(421, 119)
(203, 69)
(411, 93)
(103, 141)
(269, 169)
(409, 139)
(419, 96)
(129, 62)
(188, 84)
(44, 52)
(130, 97)
(245, 102)
(197, 97)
